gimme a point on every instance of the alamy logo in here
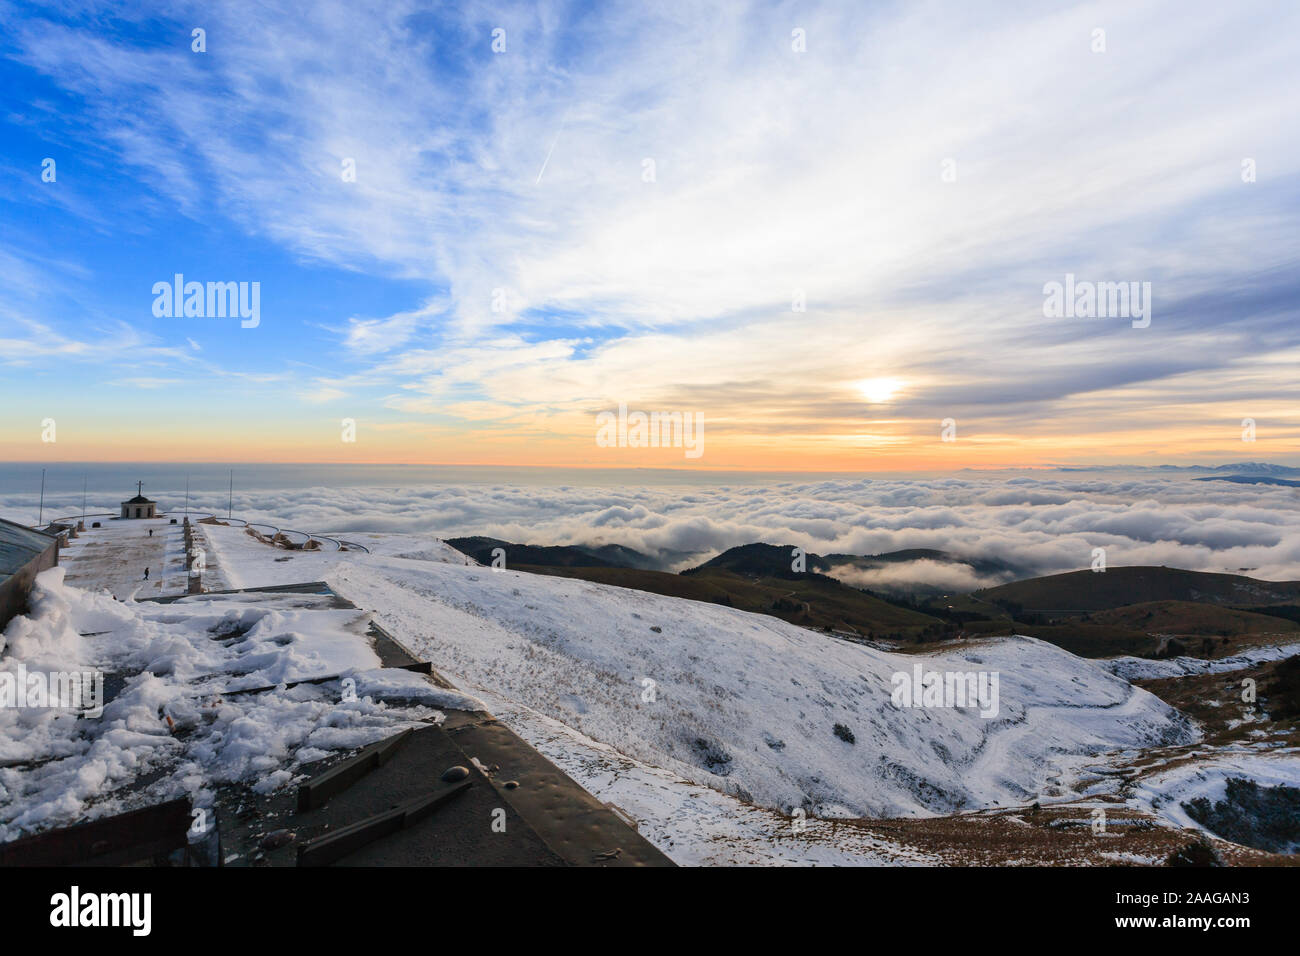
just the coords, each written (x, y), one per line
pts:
(80, 691)
(1098, 300)
(653, 430)
(73, 909)
(212, 300)
(927, 689)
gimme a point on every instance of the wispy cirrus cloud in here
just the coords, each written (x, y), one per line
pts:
(145, 382)
(776, 175)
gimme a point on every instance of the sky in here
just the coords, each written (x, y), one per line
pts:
(823, 230)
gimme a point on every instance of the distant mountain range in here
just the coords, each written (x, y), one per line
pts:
(1252, 480)
(1239, 468)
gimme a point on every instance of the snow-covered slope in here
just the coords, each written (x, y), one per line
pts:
(742, 702)
(413, 546)
(1168, 793)
(1141, 668)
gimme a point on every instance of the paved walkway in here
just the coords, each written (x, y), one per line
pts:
(114, 556)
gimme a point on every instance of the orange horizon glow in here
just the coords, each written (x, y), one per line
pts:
(896, 447)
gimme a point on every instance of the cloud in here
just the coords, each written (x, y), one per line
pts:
(145, 382)
(1045, 524)
(322, 393)
(906, 575)
(372, 336)
(776, 174)
(40, 342)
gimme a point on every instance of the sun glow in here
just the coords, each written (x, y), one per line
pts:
(878, 391)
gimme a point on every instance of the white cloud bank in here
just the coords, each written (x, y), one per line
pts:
(1045, 524)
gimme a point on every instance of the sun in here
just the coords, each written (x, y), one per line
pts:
(878, 391)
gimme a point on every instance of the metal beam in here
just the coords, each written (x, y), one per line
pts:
(338, 778)
(137, 836)
(332, 847)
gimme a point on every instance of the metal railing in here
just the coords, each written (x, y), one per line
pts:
(339, 544)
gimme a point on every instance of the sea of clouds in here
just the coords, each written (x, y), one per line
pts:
(1043, 524)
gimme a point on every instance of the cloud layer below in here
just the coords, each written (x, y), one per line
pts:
(1044, 524)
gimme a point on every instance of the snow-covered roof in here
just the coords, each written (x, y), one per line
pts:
(18, 545)
(139, 500)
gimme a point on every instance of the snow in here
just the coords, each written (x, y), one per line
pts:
(697, 825)
(1141, 668)
(412, 546)
(743, 703)
(1164, 793)
(274, 644)
(176, 716)
(394, 684)
(738, 733)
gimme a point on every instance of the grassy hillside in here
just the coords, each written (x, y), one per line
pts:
(1192, 618)
(1147, 629)
(1079, 592)
(1086, 640)
(761, 560)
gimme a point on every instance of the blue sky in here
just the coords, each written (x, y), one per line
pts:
(503, 267)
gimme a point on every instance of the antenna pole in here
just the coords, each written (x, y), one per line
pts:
(40, 519)
(230, 500)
